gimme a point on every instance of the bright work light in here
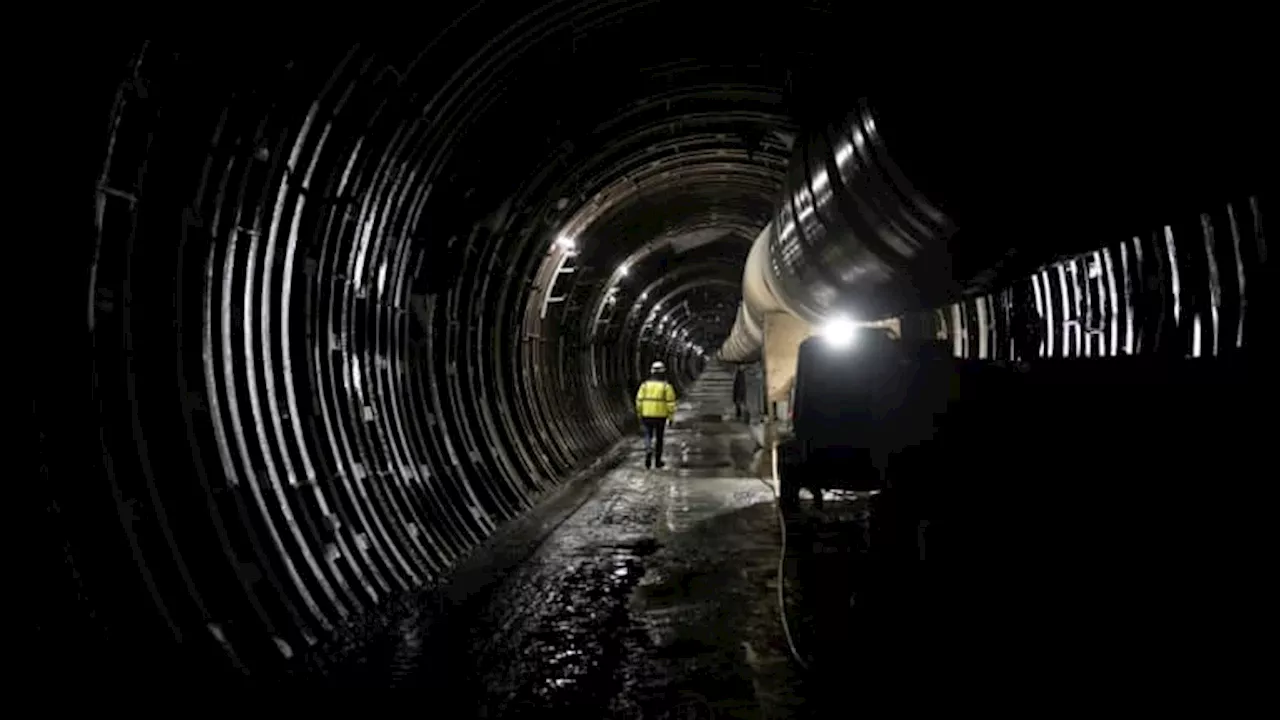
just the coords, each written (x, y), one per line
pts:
(838, 331)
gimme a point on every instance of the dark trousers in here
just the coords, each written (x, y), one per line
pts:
(654, 429)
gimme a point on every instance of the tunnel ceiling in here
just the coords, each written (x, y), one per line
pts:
(620, 127)
(637, 129)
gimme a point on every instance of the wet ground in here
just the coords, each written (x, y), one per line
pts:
(655, 596)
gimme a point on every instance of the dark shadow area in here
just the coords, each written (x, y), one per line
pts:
(1060, 507)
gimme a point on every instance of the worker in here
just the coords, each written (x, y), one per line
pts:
(656, 406)
(740, 394)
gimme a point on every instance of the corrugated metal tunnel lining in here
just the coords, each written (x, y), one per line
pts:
(354, 307)
(383, 318)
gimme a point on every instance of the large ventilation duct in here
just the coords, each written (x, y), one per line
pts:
(850, 234)
(914, 202)
(759, 296)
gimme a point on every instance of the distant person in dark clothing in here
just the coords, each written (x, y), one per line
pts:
(740, 395)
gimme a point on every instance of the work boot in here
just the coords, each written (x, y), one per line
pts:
(661, 464)
(648, 461)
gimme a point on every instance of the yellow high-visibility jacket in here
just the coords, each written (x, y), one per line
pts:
(655, 399)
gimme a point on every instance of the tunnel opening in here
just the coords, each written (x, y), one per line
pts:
(351, 310)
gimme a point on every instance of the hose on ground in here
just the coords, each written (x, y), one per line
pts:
(782, 555)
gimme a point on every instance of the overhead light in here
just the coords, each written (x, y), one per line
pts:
(566, 242)
(838, 331)
(623, 269)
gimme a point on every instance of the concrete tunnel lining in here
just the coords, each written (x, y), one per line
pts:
(309, 272)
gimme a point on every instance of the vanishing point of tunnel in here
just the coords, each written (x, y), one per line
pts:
(341, 376)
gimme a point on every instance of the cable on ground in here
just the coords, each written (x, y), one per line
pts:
(782, 556)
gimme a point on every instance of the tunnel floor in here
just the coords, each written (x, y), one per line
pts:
(656, 597)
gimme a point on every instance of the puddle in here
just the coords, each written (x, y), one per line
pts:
(706, 463)
(564, 651)
(645, 547)
(709, 459)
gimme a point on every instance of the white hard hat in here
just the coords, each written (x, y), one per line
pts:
(658, 367)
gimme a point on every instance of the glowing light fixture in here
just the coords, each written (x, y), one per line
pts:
(838, 331)
(623, 270)
(566, 243)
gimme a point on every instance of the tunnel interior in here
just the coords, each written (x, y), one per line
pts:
(343, 311)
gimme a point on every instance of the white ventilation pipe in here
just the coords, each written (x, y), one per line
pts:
(760, 296)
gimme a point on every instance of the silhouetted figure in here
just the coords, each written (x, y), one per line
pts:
(740, 395)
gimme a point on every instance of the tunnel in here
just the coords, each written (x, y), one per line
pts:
(339, 314)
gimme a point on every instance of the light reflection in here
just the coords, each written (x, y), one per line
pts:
(1113, 309)
(1173, 269)
(844, 153)
(821, 182)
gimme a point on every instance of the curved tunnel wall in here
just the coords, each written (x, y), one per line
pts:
(360, 423)
(320, 368)
(325, 362)
(1197, 287)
